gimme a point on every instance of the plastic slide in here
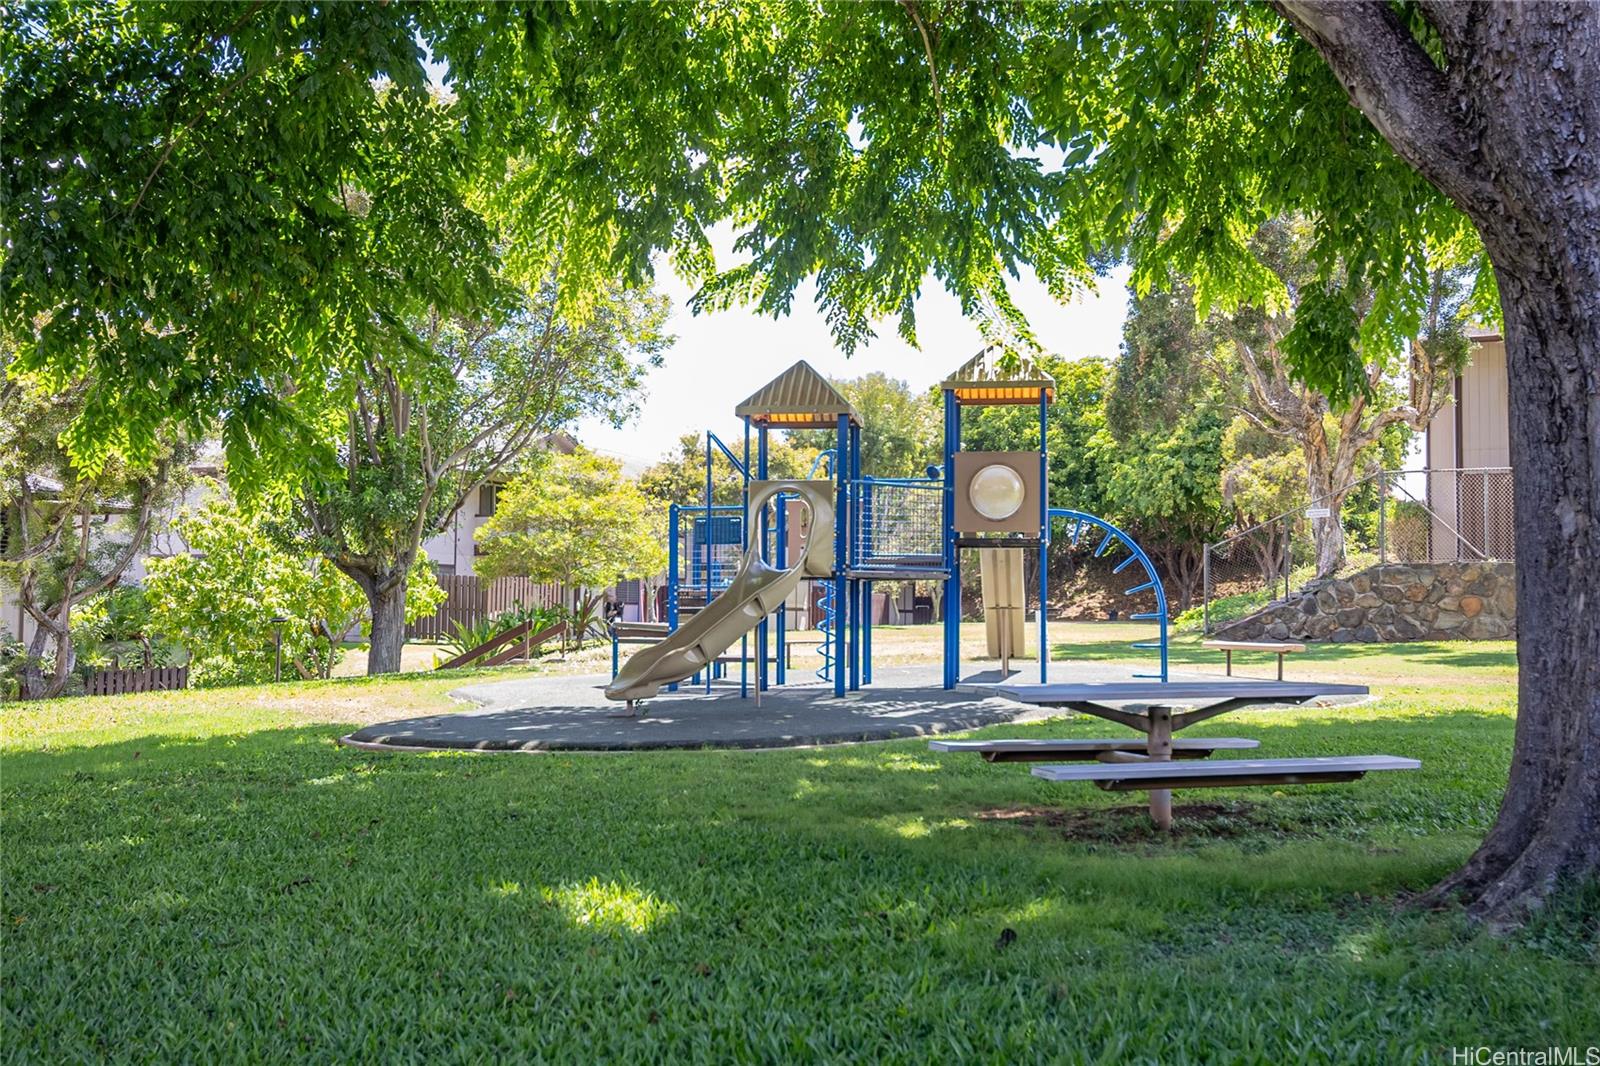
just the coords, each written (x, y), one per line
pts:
(756, 591)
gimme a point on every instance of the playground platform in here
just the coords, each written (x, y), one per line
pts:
(572, 714)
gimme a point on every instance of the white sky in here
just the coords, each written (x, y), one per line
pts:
(720, 358)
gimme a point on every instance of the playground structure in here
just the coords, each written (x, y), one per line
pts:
(733, 568)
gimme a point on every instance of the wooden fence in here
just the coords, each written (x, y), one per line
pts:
(116, 682)
(470, 599)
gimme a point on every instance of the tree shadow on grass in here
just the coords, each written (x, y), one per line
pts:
(480, 891)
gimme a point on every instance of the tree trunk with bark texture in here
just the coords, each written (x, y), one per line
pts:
(386, 602)
(1510, 130)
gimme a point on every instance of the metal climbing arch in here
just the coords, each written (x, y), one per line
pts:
(1112, 539)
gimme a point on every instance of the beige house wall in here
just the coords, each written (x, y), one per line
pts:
(1472, 431)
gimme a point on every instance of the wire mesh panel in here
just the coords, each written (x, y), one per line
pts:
(711, 550)
(899, 525)
(1246, 571)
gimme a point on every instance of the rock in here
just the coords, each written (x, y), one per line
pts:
(1368, 600)
(1505, 600)
(1368, 634)
(1342, 636)
(1485, 627)
(1450, 603)
(1384, 615)
(1308, 605)
(1344, 594)
(1351, 617)
(1416, 593)
(1407, 629)
(1391, 593)
(1362, 582)
(1277, 631)
(1449, 620)
(1471, 606)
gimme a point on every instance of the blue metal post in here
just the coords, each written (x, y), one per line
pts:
(711, 667)
(744, 641)
(672, 576)
(952, 557)
(781, 552)
(866, 634)
(841, 547)
(855, 586)
(1044, 533)
(761, 541)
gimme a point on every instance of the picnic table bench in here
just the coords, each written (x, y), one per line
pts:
(1040, 750)
(1280, 648)
(1149, 707)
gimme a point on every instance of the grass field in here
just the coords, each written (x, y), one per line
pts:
(207, 876)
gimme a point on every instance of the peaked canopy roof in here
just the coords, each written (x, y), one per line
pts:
(798, 398)
(995, 376)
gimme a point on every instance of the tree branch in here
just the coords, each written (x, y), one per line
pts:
(1394, 82)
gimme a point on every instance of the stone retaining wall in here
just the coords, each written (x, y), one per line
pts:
(1422, 601)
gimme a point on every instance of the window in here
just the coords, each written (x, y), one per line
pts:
(488, 496)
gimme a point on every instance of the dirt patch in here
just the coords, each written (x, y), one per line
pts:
(1132, 823)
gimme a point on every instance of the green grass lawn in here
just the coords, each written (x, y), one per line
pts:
(207, 875)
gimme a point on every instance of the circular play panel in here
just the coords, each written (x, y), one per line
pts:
(573, 714)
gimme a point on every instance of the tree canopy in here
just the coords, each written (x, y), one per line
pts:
(214, 205)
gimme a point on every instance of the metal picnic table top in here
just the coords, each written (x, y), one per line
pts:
(1208, 698)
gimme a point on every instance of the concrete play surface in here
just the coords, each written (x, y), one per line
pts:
(572, 714)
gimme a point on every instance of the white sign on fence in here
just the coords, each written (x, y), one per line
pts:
(1317, 512)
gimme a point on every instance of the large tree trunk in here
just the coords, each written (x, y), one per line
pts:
(1548, 831)
(386, 602)
(1510, 130)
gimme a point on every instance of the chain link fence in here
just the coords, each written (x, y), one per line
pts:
(1392, 516)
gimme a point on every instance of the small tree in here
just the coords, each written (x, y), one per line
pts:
(220, 600)
(418, 436)
(573, 519)
(67, 535)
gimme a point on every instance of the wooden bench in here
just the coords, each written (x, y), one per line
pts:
(638, 632)
(790, 643)
(1143, 773)
(1278, 648)
(1039, 750)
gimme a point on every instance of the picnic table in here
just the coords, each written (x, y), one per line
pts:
(1156, 709)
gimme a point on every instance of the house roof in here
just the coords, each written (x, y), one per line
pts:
(798, 398)
(998, 376)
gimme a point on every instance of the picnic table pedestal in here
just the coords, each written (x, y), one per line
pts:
(1159, 747)
(1156, 722)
